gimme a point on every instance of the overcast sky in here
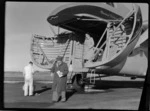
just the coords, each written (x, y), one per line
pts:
(22, 19)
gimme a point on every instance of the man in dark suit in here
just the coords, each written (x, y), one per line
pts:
(59, 71)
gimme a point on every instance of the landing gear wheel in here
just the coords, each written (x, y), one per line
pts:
(78, 83)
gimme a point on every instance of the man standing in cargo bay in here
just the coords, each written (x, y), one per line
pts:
(59, 72)
(88, 47)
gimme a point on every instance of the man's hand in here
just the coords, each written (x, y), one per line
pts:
(60, 74)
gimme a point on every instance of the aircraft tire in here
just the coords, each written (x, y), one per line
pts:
(78, 83)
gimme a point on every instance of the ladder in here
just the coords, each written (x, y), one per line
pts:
(92, 79)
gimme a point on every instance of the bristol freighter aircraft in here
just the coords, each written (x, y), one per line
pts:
(120, 41)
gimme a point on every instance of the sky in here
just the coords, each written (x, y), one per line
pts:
(22, 20)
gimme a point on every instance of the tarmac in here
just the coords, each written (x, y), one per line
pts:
(108, 93)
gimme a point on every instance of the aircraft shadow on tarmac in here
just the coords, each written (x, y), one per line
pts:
(70, 93)
(47, 88)
(108, 84)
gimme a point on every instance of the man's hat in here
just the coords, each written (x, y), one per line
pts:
(59, 58)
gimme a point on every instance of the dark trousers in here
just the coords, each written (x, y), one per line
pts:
(56, 96)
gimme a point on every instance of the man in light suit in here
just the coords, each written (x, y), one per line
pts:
(28, 79)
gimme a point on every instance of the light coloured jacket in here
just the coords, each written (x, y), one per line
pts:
(89, 43)
(28, 72)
